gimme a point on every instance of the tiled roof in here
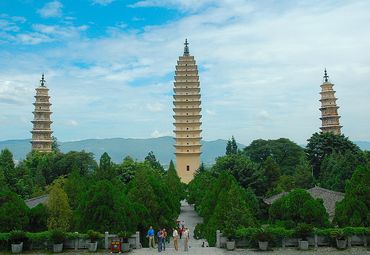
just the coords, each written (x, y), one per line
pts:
(31, 203)
(329, 197)
(272, 199)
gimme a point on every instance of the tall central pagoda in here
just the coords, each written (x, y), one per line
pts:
(41, 132)
(329, 108)
(187, 108)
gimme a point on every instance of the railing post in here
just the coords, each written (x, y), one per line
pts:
(365, 240)
(283, 242)
(137, 242)
(76, 241)
(316, 241)
(349, 241)
(106, 245)
(218, 238)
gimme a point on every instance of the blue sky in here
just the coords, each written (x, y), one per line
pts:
(109, 65)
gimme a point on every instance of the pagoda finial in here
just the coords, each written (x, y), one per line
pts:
(186, 48)
(42, 81)
(326, 76)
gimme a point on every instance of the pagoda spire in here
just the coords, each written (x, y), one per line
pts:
(42, 81)
(326, 76)
(329, 108)
(187, 116)
(186, 48)
(41, 132)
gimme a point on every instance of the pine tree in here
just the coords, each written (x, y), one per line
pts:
(7, 167)
(58, 207)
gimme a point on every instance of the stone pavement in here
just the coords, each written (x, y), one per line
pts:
(275, 251)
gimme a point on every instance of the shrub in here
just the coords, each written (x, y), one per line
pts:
(94, 235)
(263, 235)
(39, 236)
(199, 231)
(57, 236)
(125, 235)
(338, 234)
(17, 236)
(303, 231)
(38, 218)
(13, 212)
(299, 207)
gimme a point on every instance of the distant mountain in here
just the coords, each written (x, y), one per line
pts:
(118, 148)
(363, 145)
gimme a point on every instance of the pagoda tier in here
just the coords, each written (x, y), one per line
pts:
(329, 108)
(41, 132)
(187, 109)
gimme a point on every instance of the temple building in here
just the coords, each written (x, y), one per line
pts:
(187, 108)
(329, 108)
(41, 132)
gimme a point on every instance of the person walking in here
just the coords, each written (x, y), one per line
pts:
(186, 239)
(175, 236)
(180, 232)
(150, 237)
(164, 237)
(159, 236)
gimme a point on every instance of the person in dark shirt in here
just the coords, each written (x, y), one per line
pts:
(160, 237)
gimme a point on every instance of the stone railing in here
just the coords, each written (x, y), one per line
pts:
(315, 241)
(134, 240)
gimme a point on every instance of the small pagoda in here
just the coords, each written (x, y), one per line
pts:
(187, 108)
(41, 132)
(329, 108)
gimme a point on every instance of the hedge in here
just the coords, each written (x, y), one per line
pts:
(43, 236)
(280, 232)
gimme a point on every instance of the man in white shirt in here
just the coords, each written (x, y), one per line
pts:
(175, 235)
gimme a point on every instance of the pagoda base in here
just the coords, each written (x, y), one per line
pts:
(187, 165)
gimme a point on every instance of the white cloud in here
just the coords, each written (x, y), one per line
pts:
(256, 63)
(156, 134)
(51, 10)
(155, 107)
(210, 112)
(6, 25)
(102, 2)
(72, 122)
(188, 5)
(264, 115)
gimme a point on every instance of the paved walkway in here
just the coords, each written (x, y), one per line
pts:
(191, 218)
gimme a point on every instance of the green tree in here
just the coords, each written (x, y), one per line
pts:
(354, 209)
(321, 145)
(196, 188)
(303, 177)
(58, 207)
(126, 170)
(271, 172)
(230, 214)
(13, 212)
(153, 162)
(55, 145)
(299, 207)
(38, 216)
(173, 182)
(243, 169)
(284, 152)
(106, 167)
(105, 207)
(7, 167)
(231, 147)
(336, 168)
